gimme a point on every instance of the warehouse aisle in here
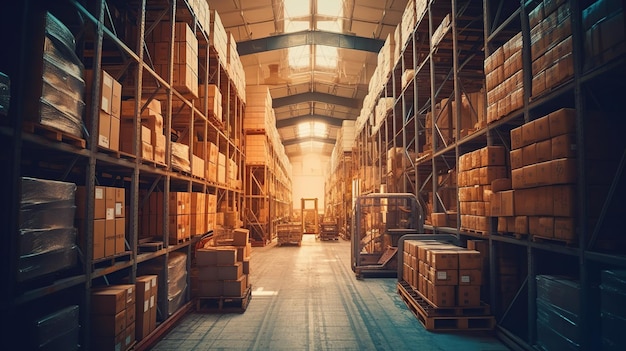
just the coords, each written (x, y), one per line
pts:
(307, 298)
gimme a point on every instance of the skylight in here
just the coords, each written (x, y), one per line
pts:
(325, 56)
(312, 129)
(297, 8)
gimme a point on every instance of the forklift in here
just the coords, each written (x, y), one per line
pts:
(378, 222)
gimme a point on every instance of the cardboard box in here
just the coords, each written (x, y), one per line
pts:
(130, 315)
(543, 173)
(226, 256)
(470, 259)
(562, 121)
(521, 225)
(236, 288)
(442, 295)
(230, 272)
(98, 239)
(108, 324)
(120, 235)
(517, 178)
(114, 134)
(542, 128)
(442, 260)
(109, 237)
(444, 276)
(564, 200)
(120, 201)
(468, 295)
(528, 133)
(241, 237)
(530, 175)
(104, 129)
(108, 300)
(129, 336)
(516, 138)
(470, 276)
(529, 154)
(563, 146)
(564, 171)
(517, 159)
(142, 305)
(565, 229)
(493, 156)
(543, 150)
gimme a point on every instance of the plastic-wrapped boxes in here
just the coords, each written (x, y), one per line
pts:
(47, 237)
(56, 331)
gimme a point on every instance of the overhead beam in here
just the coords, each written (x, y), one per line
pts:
(315, 96)
(309, 37)
(294, 141)
(294, 120)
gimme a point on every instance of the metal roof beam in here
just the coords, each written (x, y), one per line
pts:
(308, 37)
(306, 139)
(315, 96)
(294, 120)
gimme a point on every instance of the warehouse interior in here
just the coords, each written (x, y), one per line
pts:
(313, 174)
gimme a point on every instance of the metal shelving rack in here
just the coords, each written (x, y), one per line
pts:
(104, 36)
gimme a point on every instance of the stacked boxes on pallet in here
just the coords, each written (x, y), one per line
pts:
(185, 73)
(109, 220)
(223, 270)
(550, 45)
(213, 100)
(176, 283)
(444, 274)
(603, 23)
(235, 68)
(558, 313)
(477, 170)
(218, 38)
(543, 163)
(145, 305)
(152, 136)
(113, 317)
(504, 81)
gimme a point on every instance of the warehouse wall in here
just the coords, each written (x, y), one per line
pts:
(308, 178)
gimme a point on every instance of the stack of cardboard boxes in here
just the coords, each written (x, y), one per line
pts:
(224, 270)
(113, 317)
(444, 274)
(543, 163)
(152, 137)
(146, 288)
(477, 169)
(109, 220)
(504, 79)
(550, 45)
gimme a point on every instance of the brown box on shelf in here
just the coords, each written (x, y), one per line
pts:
(528, 133)
(543, 150)
(468, 295)
(565, 229)
(442, 295)
(470, 259)
(120, 235)
(543, 173)
(517, 159)
(563, 146)
(109, 237)
(110, 301)
(516, 138)
(493, 156)
(108, 325)
(129, 336)
(114, 133)
(529, 154)
(98, 238)
(562, 121)
(142, 306)
(233, 272)
(104, 129)
(120, 201)
(438, 219)
(563, 171)
(507, 203)
(564, 200)
(241, 237)
(530, 175)
(521, 225)
(542, 128)
(517, 178)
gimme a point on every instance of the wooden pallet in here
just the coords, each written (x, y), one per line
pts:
(224, 304)
(478, 232)
(147, 245)
(53, 134)
(111, 260)
(446, 318)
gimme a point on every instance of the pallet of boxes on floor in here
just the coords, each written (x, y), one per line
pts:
(221, 274)
(441, 285)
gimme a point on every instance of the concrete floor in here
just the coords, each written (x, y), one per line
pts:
(307, 298)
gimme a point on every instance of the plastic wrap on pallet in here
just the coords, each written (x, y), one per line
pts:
(61, 102)
(174, 302)
(51, 260)
(5, 94)
(40, 191)
(612, 334)
(563, 322)
(36, 241)
(613, 292)
(561, 291)
(548, 339)
(50, 215)
(180, 157)
(68, 341)
(49, 328)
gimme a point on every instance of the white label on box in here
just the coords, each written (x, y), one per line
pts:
(442, 275)
(118, 208)
(130, 294)
(110, 213)
(146, 305)
(105, 104)
(154, 281)
(118, 347)
(99, 193)
(127, 340)
(147, 287)
(151, 301)
(465, 279)
(103, 140)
